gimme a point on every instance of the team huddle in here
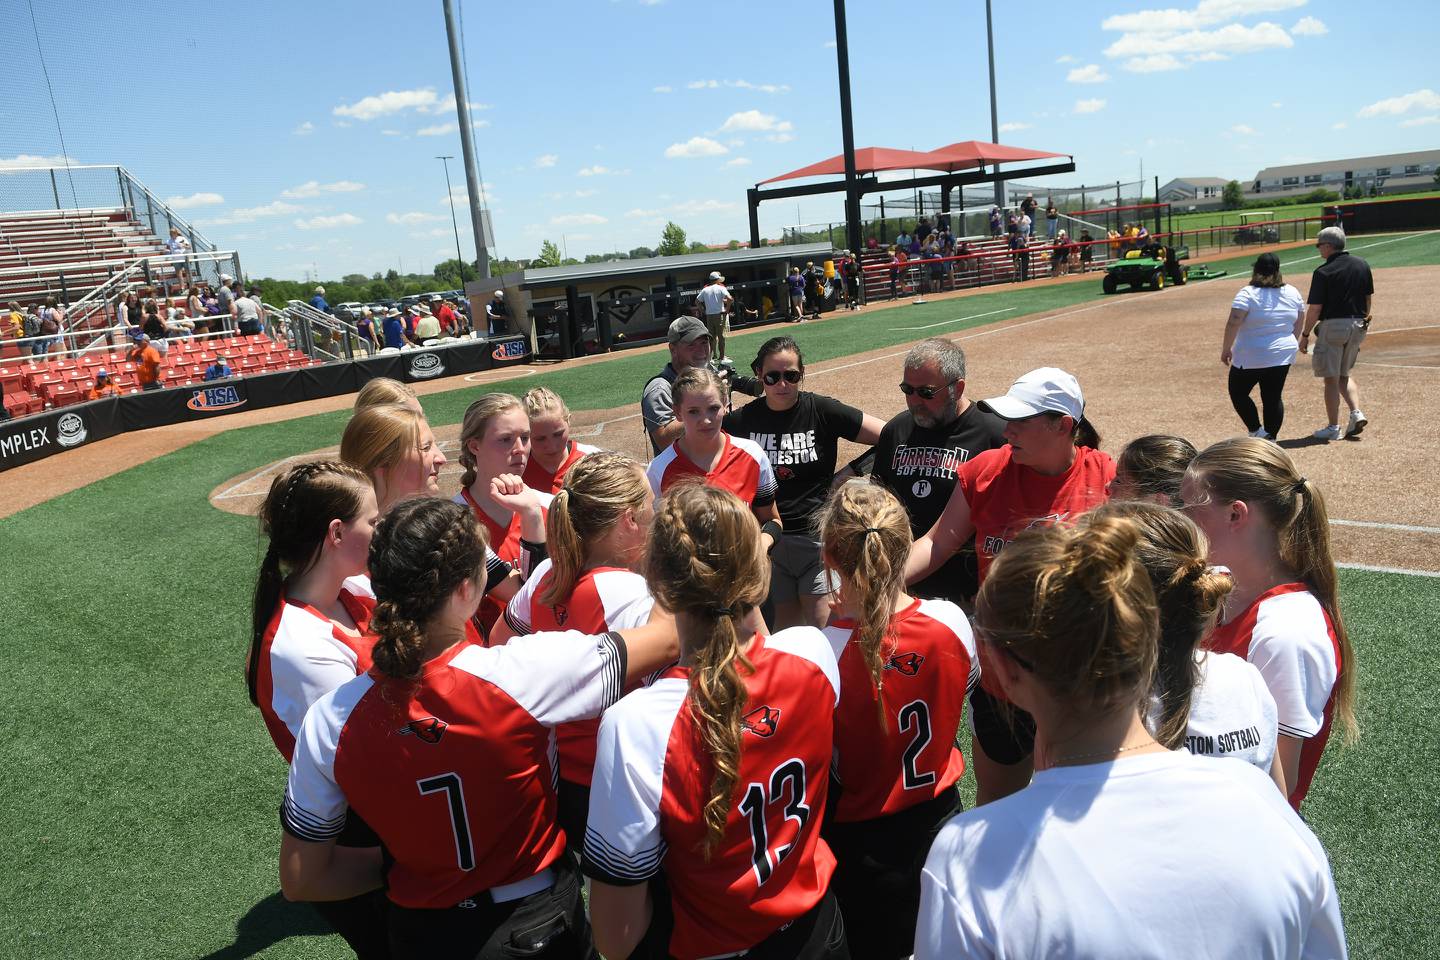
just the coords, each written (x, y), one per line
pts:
(716, 705)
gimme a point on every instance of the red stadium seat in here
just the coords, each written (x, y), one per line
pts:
(64, 396)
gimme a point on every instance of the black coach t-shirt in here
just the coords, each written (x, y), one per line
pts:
(919, 466)
(1340, 285)
(802, 444)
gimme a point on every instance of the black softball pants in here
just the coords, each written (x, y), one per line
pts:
(1271, 381)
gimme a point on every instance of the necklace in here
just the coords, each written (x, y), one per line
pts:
(1061, 761)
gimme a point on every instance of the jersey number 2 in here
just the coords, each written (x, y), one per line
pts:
(915, 715)
(449, 783)
(754, 804)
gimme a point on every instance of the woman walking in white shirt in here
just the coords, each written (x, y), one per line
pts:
(1261, 339)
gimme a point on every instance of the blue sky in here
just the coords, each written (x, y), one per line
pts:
(305, 137)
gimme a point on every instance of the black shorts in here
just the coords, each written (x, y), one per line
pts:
(877, 876)
(818, 934)
(1004, 731)
(548, 925)
(573, 814)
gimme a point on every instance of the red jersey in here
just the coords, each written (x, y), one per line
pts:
(539, 478)
(452, 771)
(1006, 497)
(1287, 634)
(930, 668)
(505, 543)
(743, 469)
(652, 780)
(304, 655)
(604, 599)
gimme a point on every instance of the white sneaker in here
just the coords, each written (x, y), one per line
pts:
(1332, 432)
(1261, 434)
(1357, 423)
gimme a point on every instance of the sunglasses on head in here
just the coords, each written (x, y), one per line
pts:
(926, 392)
(775, 376)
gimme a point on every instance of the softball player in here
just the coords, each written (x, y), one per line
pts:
(552, 452)
(906, 666)
(1269, 526)
(716, 774)
(595, 531)
(444, 749)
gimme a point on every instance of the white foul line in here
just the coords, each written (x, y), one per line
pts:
(957, 320)
(1364, 246)
(1400, 570)
(1404, 527)
(1426, 326)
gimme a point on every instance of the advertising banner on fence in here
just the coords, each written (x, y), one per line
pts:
(52, 432)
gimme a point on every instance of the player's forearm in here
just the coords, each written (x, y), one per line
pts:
(314, 872)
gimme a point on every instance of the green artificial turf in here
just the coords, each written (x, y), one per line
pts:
(140, 788)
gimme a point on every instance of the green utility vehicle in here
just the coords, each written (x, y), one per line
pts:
(1153, 265)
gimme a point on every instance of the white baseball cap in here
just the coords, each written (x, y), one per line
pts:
(1047, 390)
(715, 275)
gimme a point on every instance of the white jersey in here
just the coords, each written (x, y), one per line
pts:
(1153, 856)
(1232, 713)
(713, 298)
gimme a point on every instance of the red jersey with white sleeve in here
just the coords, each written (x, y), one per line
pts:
(604, 599)
(743, 469)
(1288, 635)
(452, 771)
(1007, 498)
(538, 477)
(930, 668)
(652, 780)
(304, 655)
(505, 542)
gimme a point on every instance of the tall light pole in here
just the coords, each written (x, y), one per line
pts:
(994, 114)
(847, 131)
(459, 255)
(467, 144)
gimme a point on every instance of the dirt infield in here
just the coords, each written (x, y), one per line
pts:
(1149, 362)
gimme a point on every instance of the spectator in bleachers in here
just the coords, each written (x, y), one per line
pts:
(497, 315)
(147, 362)
(1020, 254)
(247, 315)
(152, 326)
(318, 300)
(104, 386)
(1028, 206)
(394, 329)
(902, 242)
(445, 314)
(225, 302)
(365, 326)
(178, 246)
(997, 222)
(16, 325)
(220, 369)
(1087, 251)
(1060, 255)
(52, 318)
(427, 325)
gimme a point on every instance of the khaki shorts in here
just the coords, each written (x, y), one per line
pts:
(1337, 345)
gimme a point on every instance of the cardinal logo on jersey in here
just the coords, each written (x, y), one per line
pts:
(907, 664)
(1049, 521)
(561, 614)
(429, 729)
(784, 473)
(762, 721)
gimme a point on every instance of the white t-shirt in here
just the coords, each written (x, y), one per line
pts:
(1267, 335)
(1153, 856)
(714, 297)
(1232, 712)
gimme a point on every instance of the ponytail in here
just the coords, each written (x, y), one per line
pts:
(597, 492)
(399, 643)
(719, 694)
(1085, 434)
(268, 587)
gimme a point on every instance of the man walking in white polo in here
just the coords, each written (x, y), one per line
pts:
(716, 301)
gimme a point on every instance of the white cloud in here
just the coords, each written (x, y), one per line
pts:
(1013, 125)
(32, 160)
(194, 200)
(1309, 27)
(737, 162)
(696, 207)
(1232, 39)
(696, 147)
(1425, 99)
(662, 89)
(278, 208)
(438, 130)
(392, 101)
(546, 160)
(449, 104)
(1089, 106)
(1244, 129)
(1065, 58)
(412, 218)
(305, 129)
(830, 44)
(1420, 121)
(586, 193)
(577, 219)
(599, 170)
(1341, 125)
(462, 197)
(639, 213)
(785, 137)
(754, 121)
(327, 223)
(1277, 104)
(1206, 13)
(313, 188)
(739, 85)
(1156, 63)
(1090, 73)
(392, 133)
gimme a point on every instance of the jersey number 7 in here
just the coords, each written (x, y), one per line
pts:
(754, 804)
(449, 784)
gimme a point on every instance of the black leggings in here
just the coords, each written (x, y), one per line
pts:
(1272, 388)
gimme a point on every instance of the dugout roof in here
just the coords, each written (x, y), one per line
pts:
(962, 155)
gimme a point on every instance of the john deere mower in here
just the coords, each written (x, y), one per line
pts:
(1153, 265)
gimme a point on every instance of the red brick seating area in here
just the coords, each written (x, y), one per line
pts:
(86, 246)
(33, 387)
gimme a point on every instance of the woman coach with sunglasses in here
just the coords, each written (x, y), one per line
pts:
(800, 433)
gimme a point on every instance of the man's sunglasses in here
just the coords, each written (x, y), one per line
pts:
(775, 376)
(926, 392)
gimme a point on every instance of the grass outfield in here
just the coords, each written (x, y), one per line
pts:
(1231, 218)
(141, 790)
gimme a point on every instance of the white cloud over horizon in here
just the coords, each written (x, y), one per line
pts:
(1309, 27)
(313, 188)
(391, 101)
(696, 147)
(1425, 99)
(1094, 105)
(1090, 73)
(1206, 13)
(753, 121)
(277, 208)
(329, 222)
(194, 200)
(412, 218)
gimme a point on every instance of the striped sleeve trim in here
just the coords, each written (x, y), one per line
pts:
(520, 627)
(615, 657)
(1295, 732)
(307, 826)
(496, 570)
(607, 863)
